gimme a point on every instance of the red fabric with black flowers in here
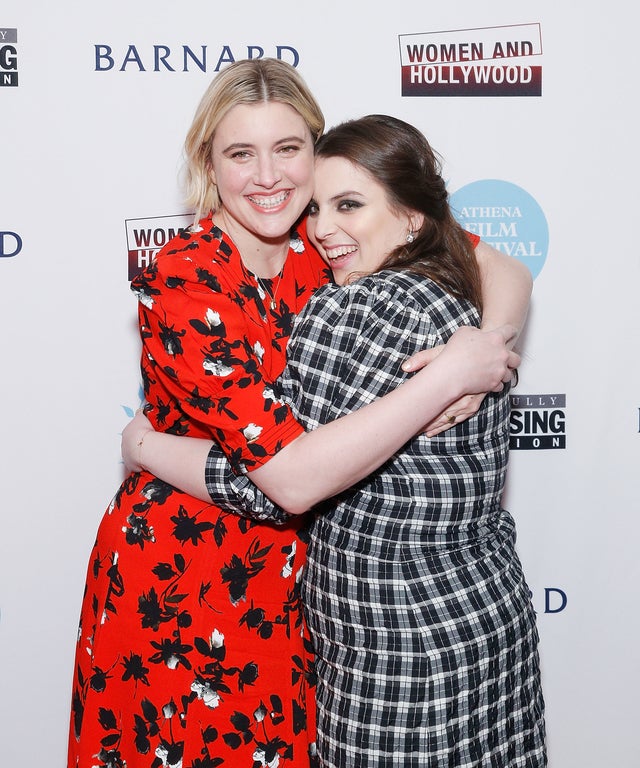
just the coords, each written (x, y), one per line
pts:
(192, 649)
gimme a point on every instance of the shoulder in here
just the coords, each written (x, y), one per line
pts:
(191, 258)
(383, 291)
(390, 297)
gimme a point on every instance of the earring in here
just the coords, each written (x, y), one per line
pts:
(410, 237)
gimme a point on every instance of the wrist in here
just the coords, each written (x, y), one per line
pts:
(437, 386)
(139, 447)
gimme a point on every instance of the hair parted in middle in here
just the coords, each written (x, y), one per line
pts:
(248, 81)
(399, 158)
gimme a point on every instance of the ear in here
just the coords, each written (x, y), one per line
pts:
(212, 175)
(415, 221)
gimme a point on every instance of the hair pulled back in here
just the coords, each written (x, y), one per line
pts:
(399, 158)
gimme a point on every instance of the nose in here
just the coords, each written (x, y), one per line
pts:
(322, 224)
(268, 172)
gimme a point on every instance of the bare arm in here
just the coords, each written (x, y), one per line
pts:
(321, 463)
(506, 289)
(180, 461)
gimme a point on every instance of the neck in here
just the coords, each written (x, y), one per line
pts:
(264, 257)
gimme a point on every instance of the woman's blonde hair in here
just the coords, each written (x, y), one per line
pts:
(249, 81)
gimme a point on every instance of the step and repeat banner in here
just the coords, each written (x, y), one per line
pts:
(532, 106)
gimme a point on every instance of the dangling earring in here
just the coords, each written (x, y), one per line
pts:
(410, 237)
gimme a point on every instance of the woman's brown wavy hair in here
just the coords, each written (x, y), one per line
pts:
(399, 158)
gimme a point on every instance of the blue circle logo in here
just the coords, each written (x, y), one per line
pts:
(505, 216)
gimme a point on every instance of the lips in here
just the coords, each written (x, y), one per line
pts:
(336, 252)
(270, 202)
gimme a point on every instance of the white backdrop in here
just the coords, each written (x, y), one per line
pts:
(86, 149)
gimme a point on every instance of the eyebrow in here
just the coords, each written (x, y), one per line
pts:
(248, 145)
(346, 193)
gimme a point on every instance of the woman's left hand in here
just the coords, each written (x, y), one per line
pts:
(459, 411)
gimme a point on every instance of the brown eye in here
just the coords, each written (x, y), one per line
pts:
(349, 205)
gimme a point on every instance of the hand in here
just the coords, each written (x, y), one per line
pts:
(459, 411)
(132, 439)
(480, 361)
(421, 359)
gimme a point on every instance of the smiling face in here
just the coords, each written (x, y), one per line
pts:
(262, 164)
(350, 220)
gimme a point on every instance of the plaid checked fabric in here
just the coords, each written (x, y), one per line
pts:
(424, 631)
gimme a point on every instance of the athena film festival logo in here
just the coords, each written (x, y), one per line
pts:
(505, 216)
(537, 422)
(8, 57)
(145, 237)
(487, 61)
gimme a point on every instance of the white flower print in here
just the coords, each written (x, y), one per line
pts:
(296, 245)
(252, 432)
(258, 351)
(260, 713)
(169, 710)
(205, 692)
(260, 756)
(144, 299)
(269, 394)
(287, 569)
(212, 318)
(163, 754)
(216, 367)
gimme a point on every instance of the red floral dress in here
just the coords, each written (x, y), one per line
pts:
(192, 649)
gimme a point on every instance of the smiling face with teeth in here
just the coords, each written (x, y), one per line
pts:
(262, 164)
(351, 221)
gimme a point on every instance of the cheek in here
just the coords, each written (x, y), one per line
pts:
(302, 170)
(231, 178)
(395, 234)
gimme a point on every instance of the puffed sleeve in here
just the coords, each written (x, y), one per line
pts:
(201, 373)
(346, 349)
(349, 342)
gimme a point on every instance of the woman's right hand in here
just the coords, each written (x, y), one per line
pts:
(480, 360)
(132, 441)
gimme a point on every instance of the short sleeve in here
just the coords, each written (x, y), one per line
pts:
(349, 343)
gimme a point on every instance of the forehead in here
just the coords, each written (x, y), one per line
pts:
(265, 122)
(335, 175)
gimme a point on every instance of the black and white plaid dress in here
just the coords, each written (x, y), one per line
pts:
(425, 634)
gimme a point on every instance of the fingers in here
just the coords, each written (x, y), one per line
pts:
(420, 359)
(508, 332)
(457, 412)
(513, 360)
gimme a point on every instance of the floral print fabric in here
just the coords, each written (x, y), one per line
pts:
(192, 649)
